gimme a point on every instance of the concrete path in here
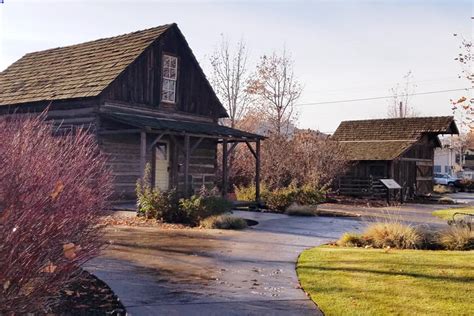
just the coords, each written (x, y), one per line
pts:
(215, 272)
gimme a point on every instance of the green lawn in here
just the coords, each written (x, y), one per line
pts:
(357, 281)
(447, 214)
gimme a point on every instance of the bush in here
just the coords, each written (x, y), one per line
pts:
(247, 193)
(351, 240)
(52, 193)
(457, 238)
(199, 207)
(224, 222)
(392, 234)
(152, 203)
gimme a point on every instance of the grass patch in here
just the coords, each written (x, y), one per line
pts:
(301, 210)
(357, 281)
(224, 222)
(447, 214)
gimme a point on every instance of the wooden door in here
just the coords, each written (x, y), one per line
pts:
(162, 166)
(424, 177)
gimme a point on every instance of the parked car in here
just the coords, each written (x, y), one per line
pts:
(446, 179)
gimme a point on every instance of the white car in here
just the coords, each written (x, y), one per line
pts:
(444, 179)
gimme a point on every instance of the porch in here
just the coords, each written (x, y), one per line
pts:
(182, 154)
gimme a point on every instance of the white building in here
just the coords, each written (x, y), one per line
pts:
(445, 161)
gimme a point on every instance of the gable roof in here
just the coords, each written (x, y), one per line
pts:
(387, 139)
(78, 71)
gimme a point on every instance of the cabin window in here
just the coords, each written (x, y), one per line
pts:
(170, 76)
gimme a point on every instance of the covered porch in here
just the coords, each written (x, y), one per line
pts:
(182, 154)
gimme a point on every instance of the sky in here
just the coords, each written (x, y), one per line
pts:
(342, 50)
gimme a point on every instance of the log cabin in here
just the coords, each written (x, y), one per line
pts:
(145, 98)
(400, 148)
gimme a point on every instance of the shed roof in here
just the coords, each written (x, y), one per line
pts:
(394, 129)
(192, 127)
(387, 139)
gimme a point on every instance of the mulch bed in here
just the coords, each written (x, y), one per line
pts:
(140, 222)
(88, 295)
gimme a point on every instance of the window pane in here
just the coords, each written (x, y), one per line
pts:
(171, 96)
(172, 86)
(172, 73)
(173, 62)
(166, 61)
(166, 72)
(161, 153)
(165, 96)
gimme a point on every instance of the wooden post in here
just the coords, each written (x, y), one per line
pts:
(186, 165)
(257, 173)
(142, 153)
(224, 168)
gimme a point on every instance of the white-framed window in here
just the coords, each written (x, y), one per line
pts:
(170, 76)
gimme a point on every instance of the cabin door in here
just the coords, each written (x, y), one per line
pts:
(162, 168)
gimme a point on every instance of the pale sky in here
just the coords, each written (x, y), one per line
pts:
(342, 49)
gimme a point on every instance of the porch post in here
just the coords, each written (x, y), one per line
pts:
(142, 152)
(257, 172)
(224, 168)
(186, 165)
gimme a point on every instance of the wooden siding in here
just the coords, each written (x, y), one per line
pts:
(123, 152)
(140, 84)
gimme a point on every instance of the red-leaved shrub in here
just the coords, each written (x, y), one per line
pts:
(52, 192)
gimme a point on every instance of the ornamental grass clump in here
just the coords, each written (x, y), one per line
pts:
(53, 190)
(392, 234)
(224, 222)
(457, 238)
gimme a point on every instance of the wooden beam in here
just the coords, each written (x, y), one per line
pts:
(257, 173)
(119, 131)
(157, 139)
(224, 169)
(142, 152)
(415, 159)
(251, 149)
(186, 165)
(232, 148)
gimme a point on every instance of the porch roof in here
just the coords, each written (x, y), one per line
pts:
(179, 126)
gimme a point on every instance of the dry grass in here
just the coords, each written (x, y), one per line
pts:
(351, 240)
(224, 222)
(457, 238)
(441, 189)
(301, 210)
(392, 234)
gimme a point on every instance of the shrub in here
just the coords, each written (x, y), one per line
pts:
(457, 238)
(300, 210)
(198, 207)
(351, 240)
(53, 190)
(153, 203)
(247, 193)
(224, 222)
(392, 234)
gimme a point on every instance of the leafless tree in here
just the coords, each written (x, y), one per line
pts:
(463, 107)
(276, 90)
(230, 77)
(400, 105)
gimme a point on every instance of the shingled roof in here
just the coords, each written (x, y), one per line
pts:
(77, 71)
(386, 139)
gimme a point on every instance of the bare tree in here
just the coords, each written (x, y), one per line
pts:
(400, 105)
(230, 77)
(277, 90)
(463, 107)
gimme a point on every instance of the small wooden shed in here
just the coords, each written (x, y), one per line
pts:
(400, 148)
(145, 98)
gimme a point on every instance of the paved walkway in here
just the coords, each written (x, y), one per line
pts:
(215, 272)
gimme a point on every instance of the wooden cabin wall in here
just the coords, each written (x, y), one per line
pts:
(65, 115)
(123, 152)
(140, 83)
(366, 169)
(414, 169)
